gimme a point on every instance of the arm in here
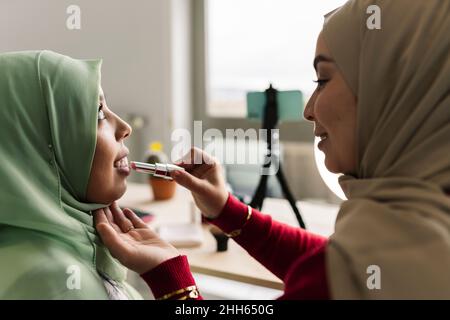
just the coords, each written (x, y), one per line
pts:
(136, 246)
(172, 280)
(278, 245)
(167, 273)
(307, 278)
(284, 250)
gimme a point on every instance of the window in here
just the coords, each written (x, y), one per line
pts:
(252, 43)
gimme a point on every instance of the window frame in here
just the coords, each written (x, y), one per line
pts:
(301, 131)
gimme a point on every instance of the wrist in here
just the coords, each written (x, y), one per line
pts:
(216, 212)
(156, 262)
(234, 216)
(169, 276)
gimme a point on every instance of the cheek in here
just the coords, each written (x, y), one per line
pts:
(102, 186)
(101, 170)
(345, 115)
(335, 110)
(335, 107)
(104, 162)
(105, 149)
(325, 110)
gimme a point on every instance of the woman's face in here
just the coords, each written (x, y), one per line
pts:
(107, 181)
(332, 108)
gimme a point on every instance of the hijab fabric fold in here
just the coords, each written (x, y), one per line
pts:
(397, 216)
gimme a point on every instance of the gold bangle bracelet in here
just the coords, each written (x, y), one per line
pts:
(191, 295)
(180, 291)
(237, 232)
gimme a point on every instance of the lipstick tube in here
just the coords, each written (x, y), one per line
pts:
(158, 170)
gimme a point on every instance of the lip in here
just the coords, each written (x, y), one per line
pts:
(321, 144)
(122, 155)
(123, 170)
(319, 134)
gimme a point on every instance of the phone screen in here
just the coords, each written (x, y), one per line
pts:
(290, 105)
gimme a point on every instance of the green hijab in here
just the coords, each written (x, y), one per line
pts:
(48, 128)
(395, 225)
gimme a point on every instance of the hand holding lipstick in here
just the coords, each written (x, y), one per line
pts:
(204, 178)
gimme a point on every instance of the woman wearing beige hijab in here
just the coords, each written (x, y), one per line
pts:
(382, 110)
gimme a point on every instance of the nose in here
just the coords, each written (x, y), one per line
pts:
(308, 113)
(123, 129)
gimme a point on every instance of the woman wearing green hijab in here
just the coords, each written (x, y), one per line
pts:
(382, 111)
(59, 141)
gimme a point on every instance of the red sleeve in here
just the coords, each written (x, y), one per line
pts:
(295, 255)
(307, 280)
(170, 276)
(285, 250)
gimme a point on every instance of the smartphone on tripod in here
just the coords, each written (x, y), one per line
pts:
(290, 105)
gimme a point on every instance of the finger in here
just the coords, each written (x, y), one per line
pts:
(100, 217)
(205, 157)
(108, 215)
(188, 181)
(187, 160)
(187, 165)
(200, 171)
(110, 218)
(123, 222)
(111, 239)
(193, 158)
(137, 222)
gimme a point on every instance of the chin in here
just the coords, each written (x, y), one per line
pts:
(115, 193)
(331, 165)
(120, 190)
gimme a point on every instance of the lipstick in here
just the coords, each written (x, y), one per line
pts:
(158, 170)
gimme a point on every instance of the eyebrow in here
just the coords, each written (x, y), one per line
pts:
(321, 58)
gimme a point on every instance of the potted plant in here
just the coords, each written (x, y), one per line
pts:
(162, 189)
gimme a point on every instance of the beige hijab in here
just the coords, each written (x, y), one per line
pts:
(397, 217)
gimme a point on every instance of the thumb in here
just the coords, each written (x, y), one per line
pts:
(188, 181)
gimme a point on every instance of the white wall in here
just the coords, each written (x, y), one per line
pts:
(145, 46)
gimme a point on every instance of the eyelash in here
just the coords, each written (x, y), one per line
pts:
(320, 83)
(101, 114)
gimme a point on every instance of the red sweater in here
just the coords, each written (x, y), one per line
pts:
(294, 255)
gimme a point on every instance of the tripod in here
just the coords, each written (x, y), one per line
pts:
(270, 122)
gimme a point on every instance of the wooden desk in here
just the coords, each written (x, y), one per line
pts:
(235, 263)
